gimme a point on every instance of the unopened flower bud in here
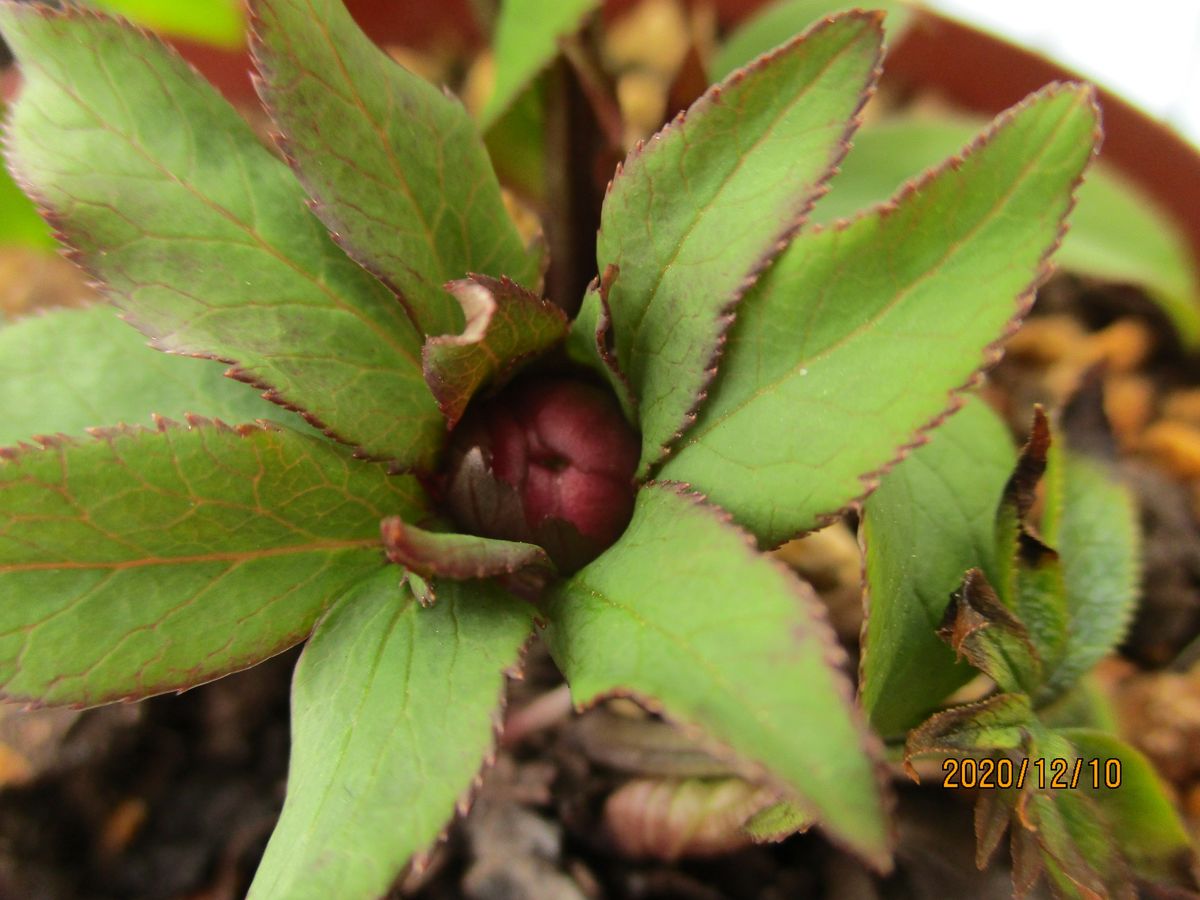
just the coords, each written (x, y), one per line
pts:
(548, 462)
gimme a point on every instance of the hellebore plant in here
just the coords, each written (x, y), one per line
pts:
(733, 379)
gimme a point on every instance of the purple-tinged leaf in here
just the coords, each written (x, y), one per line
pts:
(683, 613)
(165, 194)
(460, 557)
(396, 167)
(670, 819)
(141, 562)
(394, 712)
(1118, 233)
(860, 337)
(697, 213)
(506, 326)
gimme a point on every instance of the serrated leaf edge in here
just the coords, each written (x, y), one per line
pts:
(727, 313)
(260, 78)
(93, 279)
(994, 351)
(16, 454)
(834, 655)
(420, 861)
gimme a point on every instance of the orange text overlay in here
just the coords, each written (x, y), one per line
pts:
(1043, 774)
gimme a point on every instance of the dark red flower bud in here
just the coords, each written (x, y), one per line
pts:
(548, 462)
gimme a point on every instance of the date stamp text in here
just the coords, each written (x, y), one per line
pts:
(1044, 774)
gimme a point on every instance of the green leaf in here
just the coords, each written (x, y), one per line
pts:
(982, 630)
(20, 223)
(395, 166)
(394, 711)
(782, 19)
(777, 822)
(1117, 232)
(219, 22)
(143, 562)
(1152, 836)
(929, 522)
(525, 43)
(682, 612)
(700, 210)
(1097, 533)
(69, 370)
(1002, 722)
(854, 342)
(1080, 850)
(457, 556)
(202, 236)
(516, 144)
(506, 327)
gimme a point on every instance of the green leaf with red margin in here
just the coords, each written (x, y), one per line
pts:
(1118, 233)
(396, 167)
(506, 327)
(73, 369)
(394, 712)
(144, 561)
(201, 235)
(525, 43)
(684, 614)
(856, 340)
(930, 521)
(1002, 722)
(457, 556)
(697, 213)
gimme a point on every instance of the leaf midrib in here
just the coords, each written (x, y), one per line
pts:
(384, 142)
(702, 212)
(761, 716)
(700, 429)
(256, 238)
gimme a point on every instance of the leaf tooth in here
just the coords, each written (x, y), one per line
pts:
(162, 423)
(1023, 302)
(463, 804)
(819, 189)
(272, 395)
(833, 652)
(52, 441)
